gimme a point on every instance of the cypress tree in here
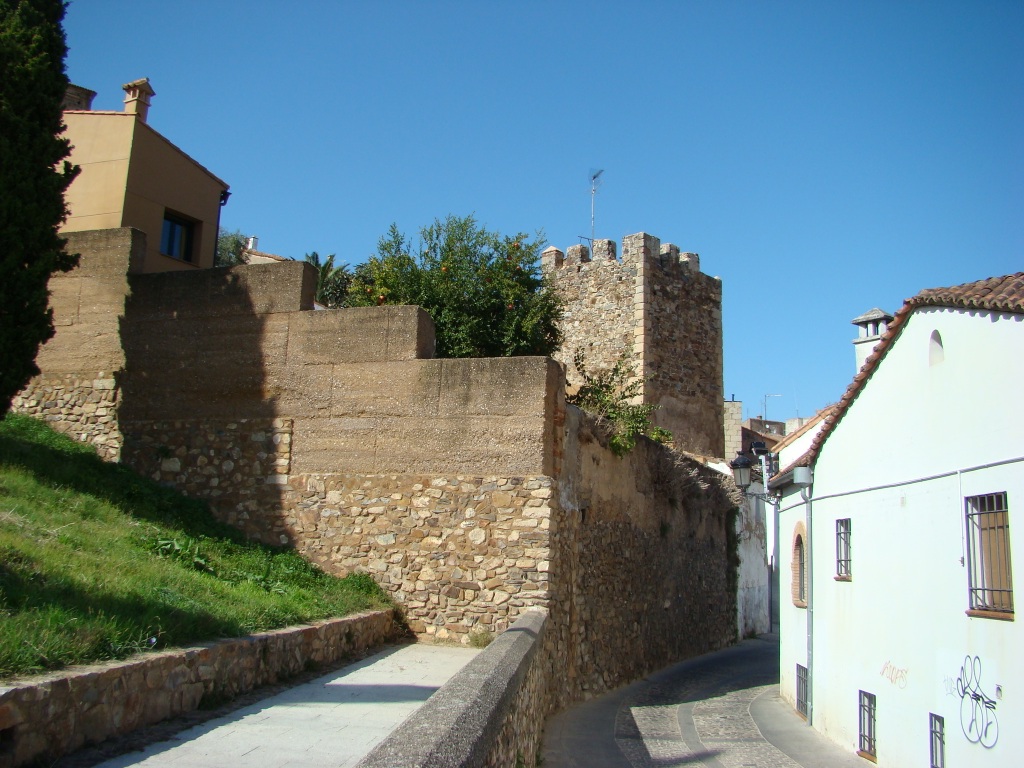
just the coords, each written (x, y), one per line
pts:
(34, 173)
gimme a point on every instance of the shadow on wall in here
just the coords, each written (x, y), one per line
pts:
(197, 409)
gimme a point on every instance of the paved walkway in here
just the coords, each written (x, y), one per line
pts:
(721, 710)
(332, 721)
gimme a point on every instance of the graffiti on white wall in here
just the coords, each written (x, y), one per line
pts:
(895, 675)
(977, 710)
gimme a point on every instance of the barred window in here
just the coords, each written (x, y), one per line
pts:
(989, 575)
(843, 549)
(937, 749)
(868, 746)
(801, 690)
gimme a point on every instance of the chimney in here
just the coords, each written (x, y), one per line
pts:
(136, 98)
(251, 242)
(78, 98)
(870, 327)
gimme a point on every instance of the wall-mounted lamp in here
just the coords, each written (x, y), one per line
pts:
(741, 467)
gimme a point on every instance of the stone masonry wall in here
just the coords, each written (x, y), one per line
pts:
(456, 552)
(466, 487)
(238, 467)
(656, 306)
(643, 561)
(84, 408)
(599, 295)
(44, 717)
(733, 410)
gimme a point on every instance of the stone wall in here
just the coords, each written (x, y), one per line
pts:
(656, 306)
(76, 391)
(44, 717)
(733, 417)
(466, 487)
(84, 408)
(644, 554)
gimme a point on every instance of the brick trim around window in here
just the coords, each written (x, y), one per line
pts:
(798, 565)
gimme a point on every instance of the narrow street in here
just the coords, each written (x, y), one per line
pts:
(721, 710)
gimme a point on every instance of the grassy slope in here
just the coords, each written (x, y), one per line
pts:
(98, 563)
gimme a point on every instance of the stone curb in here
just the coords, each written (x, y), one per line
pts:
(54, 714)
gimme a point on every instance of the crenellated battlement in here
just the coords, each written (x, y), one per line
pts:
(636, 249)
(654, 305)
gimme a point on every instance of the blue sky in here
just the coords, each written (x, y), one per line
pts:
(823, 158)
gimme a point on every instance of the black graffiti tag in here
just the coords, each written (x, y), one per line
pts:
(977, 711)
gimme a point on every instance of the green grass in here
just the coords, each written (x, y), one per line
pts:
(98, 563)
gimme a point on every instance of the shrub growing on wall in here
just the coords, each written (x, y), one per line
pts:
(609, 393)
(34, 174)
(483, 289)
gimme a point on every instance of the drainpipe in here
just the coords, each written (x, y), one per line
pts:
(765, 505)
(802, 477)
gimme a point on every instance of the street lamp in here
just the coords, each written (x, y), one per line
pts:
(741, 467)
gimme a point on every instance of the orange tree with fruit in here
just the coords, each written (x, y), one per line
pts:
(483, 289)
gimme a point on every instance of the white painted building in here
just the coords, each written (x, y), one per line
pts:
(899, 552)
(753, 575)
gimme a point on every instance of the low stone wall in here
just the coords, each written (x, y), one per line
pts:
(44, 717)
(86, 409)
(490, 714)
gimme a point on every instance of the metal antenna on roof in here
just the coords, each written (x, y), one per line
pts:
(594, 184)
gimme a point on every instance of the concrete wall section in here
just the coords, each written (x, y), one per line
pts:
(490, 714)
(77, 390)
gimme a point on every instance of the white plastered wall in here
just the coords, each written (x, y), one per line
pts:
(899, 628)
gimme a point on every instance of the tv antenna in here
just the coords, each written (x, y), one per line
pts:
(594, 184)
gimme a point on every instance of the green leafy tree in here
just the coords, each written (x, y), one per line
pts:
(332, 282)
(34, 173)
(230, 248)
(608, 394)
(483, 289)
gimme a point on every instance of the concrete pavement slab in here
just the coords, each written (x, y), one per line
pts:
(332, 721)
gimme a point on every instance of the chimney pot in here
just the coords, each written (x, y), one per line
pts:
(78, 98)
(136, 98)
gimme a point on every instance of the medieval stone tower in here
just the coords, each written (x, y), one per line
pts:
(656, 306)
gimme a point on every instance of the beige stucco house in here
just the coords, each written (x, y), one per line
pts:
(133, 177)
